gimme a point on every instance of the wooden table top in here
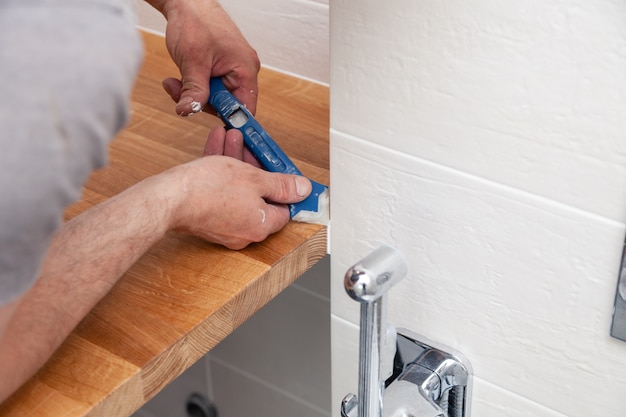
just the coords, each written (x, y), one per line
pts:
(184, 296)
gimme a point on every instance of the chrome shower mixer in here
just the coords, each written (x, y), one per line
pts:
(401, 374)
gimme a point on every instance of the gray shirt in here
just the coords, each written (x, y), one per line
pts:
(67, 68)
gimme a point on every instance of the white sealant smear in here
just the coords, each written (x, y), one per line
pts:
(262, 215)
(196, 106)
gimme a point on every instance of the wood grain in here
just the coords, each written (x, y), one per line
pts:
(184, 295)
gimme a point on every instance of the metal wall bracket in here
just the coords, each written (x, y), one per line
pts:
(618, 327)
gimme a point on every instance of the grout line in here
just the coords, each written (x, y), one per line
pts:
(344, 321)
(474, 177)
(151, 31)
(310, 292)
(293, 74)
(268, 385)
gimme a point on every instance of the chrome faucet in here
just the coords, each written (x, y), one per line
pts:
(368, 282)
(399, 375)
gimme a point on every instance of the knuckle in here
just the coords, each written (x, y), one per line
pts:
(286, 187)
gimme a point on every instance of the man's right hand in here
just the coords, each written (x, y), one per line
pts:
(227, 201)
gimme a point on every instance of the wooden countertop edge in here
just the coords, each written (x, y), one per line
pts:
(149, 381)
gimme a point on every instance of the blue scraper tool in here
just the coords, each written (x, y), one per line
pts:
(314, 209)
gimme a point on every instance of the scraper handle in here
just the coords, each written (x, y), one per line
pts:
(236, 115)
(314, 208)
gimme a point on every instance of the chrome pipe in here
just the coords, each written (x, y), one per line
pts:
(367, 282)
(371, 385)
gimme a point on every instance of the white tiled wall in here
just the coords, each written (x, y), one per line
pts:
(486, 140)
(289, 35)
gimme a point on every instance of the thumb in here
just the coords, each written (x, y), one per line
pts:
(287, 188)
(193, 95)
(172, 86)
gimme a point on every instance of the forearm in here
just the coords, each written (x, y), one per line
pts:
(85, 260)
(218, 198)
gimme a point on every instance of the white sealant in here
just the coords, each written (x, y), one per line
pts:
(196, 106)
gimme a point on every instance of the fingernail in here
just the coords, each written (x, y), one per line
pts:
(303, 186)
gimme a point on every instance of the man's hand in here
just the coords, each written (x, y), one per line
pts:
(229, 202)
(204, 42)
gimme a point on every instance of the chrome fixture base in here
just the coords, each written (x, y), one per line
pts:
(442, 375)
(426, 382)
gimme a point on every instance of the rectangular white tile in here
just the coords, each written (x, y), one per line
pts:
(490, 400)
(149, 18)
(531, 94)
(291, 36)
(345, 360)
(521, 285)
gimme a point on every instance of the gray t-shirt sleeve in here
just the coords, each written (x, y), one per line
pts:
(66, 74)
